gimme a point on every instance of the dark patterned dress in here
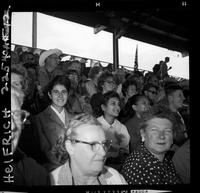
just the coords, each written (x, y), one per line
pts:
(141, 167)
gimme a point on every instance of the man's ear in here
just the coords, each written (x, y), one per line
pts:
(69, 147)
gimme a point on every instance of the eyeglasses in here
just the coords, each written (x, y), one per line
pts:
(153, 92)
(95, 146)
(20, 115)
(57, 93)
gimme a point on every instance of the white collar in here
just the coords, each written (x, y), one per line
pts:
(61, 114)
(53, 108)
(105, 123)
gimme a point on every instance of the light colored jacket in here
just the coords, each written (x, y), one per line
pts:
(63, 176)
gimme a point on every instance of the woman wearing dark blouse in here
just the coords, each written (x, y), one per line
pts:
(139, 104)
(149, 164)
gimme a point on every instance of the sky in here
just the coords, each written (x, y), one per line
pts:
(80, 40)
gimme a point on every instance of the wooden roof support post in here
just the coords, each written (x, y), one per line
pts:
(34, 30)
(115, 50)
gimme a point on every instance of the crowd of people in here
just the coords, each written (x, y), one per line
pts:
(73, 125)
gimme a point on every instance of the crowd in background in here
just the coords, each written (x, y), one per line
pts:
(56, 92)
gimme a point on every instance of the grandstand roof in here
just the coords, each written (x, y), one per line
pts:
(165, 27)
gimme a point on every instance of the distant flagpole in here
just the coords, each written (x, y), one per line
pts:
(136, 59)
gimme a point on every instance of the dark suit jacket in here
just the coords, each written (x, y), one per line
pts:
(50, 129)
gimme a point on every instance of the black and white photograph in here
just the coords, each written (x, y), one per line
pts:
(96, 97)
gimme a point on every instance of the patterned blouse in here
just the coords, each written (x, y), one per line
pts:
(141, 167)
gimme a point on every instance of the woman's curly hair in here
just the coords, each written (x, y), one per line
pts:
(159, 111)
(78, 120)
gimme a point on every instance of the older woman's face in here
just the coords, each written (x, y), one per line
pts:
(86, 159)
(109, 85)
(158, 135)
(58, 95)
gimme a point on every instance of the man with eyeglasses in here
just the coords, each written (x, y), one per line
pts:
(150, 90)
(87, 146)
(26, 170)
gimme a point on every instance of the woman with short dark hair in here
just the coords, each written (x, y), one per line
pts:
(114, 130)
(136, 106)
(52, 122)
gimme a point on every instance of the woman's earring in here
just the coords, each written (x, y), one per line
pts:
(143, 139)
